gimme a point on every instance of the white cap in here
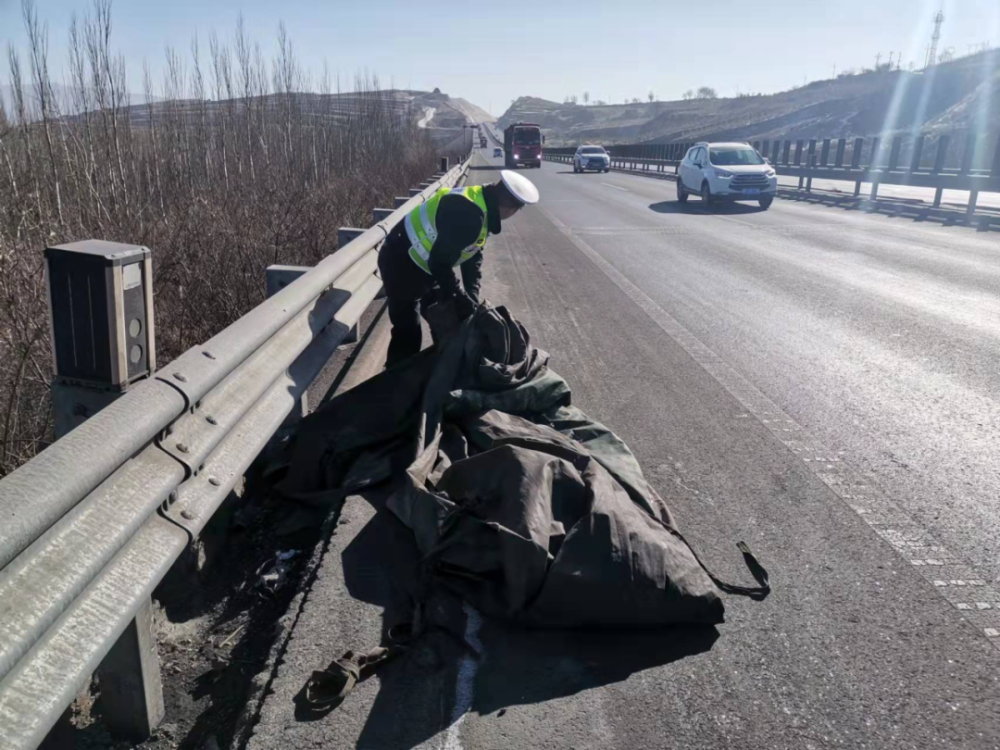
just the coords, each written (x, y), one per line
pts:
(520, 187)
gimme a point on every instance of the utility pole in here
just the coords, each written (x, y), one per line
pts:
(878, 59)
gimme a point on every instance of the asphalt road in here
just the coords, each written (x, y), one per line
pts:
(819, 382)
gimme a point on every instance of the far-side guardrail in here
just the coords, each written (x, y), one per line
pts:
(91, 525)
(840, 159)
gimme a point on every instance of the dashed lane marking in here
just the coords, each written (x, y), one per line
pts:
(616, 187)
(950, 576)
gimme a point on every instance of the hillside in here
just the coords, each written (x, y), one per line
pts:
(474, 113)
(441, 115)
(945, 98)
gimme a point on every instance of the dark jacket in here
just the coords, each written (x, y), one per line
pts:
(459, 222)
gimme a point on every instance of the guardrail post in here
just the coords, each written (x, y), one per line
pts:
(131, 691)
(444, 164)
(415, 191)
(876, 153)
(838, 160)
(276, 278)
(101, 325)
(918, 152)
(399, 200)
(811, 163)
(973, 197)
(775, 152)
(787, 153)
(348, 234)
(939, 162)
(942, 154)
(345, 235)
(968, 152)
(380, 214)
(897, 145)
(824, 156)
(859, 146)
(995, 170)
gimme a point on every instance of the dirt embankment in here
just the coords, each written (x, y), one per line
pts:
(953, 98)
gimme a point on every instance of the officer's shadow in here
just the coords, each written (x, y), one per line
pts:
(468, 663)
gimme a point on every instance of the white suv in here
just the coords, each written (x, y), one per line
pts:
(591, 157)
(726, 172)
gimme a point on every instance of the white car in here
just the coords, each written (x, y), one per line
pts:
(726, 172)
(591, 157)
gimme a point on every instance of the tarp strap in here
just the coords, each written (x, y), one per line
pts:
(758, 571)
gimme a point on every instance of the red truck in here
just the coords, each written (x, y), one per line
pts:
(522, 145)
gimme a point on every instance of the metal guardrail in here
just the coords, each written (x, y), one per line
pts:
(839, 159)
(93, 523)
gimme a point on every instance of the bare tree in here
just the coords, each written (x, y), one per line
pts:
(651, 96)
(38, 45)
(586, 97)
(707, 92)
(227, 165)
(689, 94)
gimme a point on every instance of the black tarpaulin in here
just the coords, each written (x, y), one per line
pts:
(520, 503)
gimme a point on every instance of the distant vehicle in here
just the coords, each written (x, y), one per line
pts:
(591, 157)
(726, 172)
(497, 153)
(522, 145)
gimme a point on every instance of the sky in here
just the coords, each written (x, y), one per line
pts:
(493, 52)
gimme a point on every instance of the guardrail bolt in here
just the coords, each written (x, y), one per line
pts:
(187, 514)
(178, 376)
(182, 448)
(214, 482)
(211, 420)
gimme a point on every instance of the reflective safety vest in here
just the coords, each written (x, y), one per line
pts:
(422, 229)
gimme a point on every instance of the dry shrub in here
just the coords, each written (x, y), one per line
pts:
(230, 167)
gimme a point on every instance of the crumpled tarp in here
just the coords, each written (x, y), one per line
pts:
(518, 501)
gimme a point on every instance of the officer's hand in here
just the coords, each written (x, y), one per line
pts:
(464, 306)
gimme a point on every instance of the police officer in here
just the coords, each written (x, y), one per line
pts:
(421, 253)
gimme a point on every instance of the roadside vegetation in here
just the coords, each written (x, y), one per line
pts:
(228, 164)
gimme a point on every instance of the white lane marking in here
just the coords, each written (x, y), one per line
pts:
(465, 681)
(616, 187)
(909, 539)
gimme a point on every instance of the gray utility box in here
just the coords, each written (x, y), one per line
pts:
(101, 297)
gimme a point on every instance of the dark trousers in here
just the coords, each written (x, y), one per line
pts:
(405, 285)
